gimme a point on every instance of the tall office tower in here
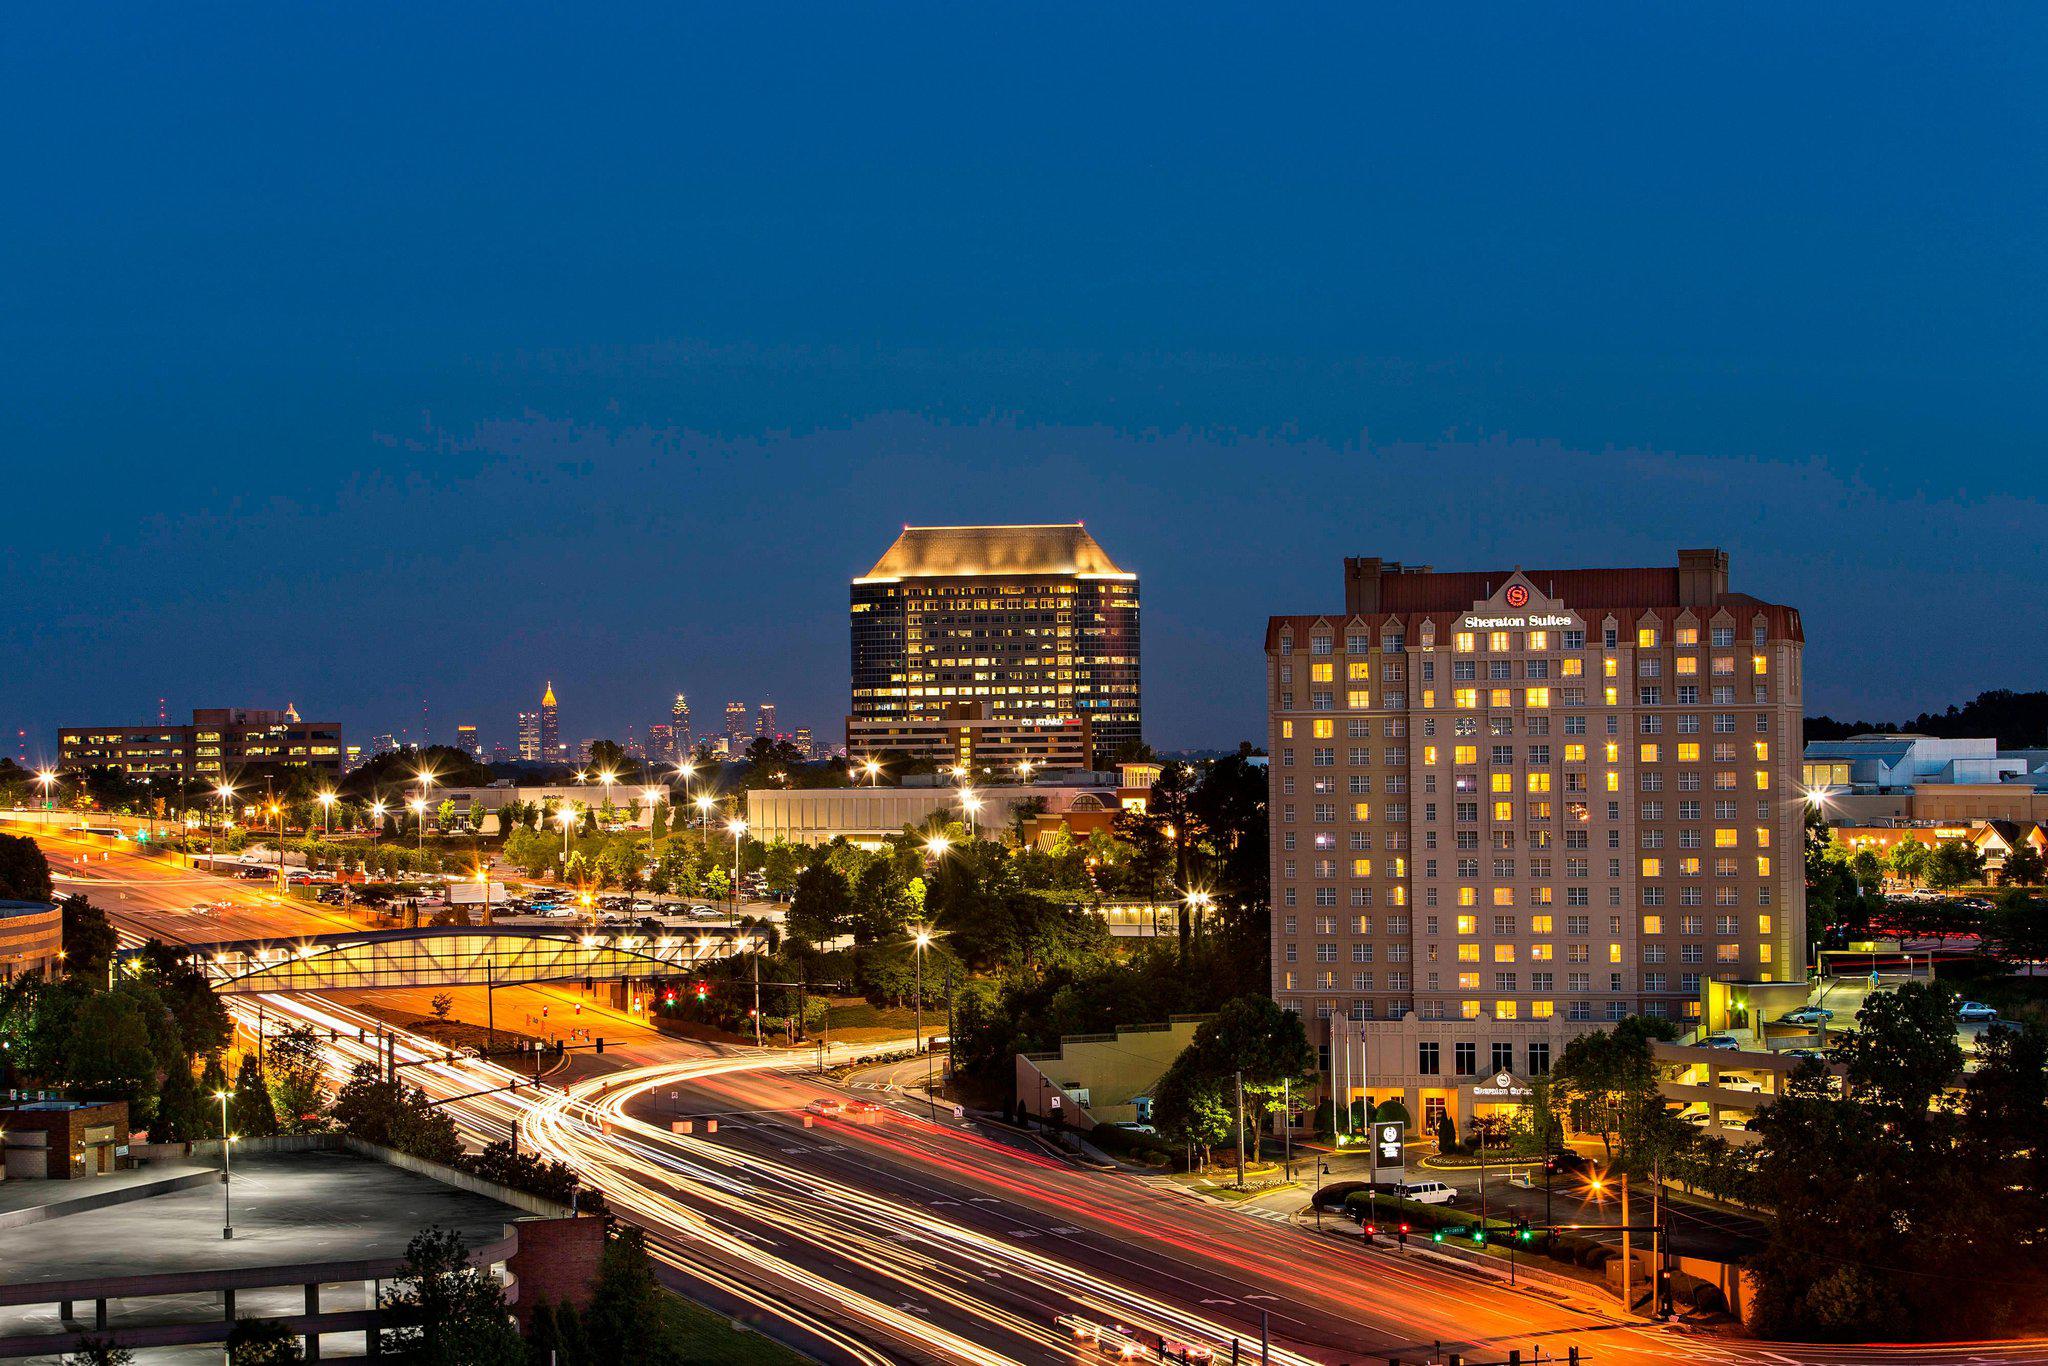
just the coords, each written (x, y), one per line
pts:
(551, 748)
(681, 712)
(804, 744)
(764, 720)
(736, 725)
(466, 740)
(1511, 806)
(661, 742)
(1034, 622)
(529, 736)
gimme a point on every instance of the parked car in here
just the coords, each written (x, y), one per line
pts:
(1727, 1041)
(1805, 1054)
(1975, 1012)
(1429, 1192)
(826, 1107)
(1565, 1162)
(705, 913)
(1806, 1015)
(1729, 1083)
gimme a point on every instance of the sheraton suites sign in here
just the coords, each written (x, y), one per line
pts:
(1481, 621)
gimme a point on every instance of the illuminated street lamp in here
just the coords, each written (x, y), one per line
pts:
(223, 792)
(326, 800)
(607, 778)
(1024, 767)
(419, 812)
(922, 940)
(567, 816)
(969, 805)
(738, 830)
(704, 805)
(227, 1169)
(48, 778)
(937, 845)
(653, 795)
(872, 768)
(377, 810)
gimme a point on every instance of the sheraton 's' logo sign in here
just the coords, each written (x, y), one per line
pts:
(1517, 595)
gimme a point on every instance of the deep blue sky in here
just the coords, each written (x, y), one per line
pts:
(359, 355)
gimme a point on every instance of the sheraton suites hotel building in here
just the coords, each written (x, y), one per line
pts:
(1509, 807)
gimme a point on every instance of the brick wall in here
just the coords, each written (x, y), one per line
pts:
(557, 1260)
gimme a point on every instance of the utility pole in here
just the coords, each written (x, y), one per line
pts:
(1240, 1129)
(1628, 1256)
(1287, 1125)
(757, 998)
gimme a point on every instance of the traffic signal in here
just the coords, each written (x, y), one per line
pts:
(1478, 1233)
(600, 1045)
(1372, 1230)
(1523, 1232)
(1404, 1235)
(1437, 1236)
(703, 990)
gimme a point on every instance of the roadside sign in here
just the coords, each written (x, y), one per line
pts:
(1055, 1102)
(1388, 1156)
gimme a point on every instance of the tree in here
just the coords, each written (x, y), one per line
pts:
(249, 1109)
(394, 1115)
(441, 1004)
(1251, 1037)
(89, 939)
(461, 1315)
(24, 871)
(505, 1164)
(631, 1318)
(181, 1112)
(2024, 867)
(822, 907)
(1607, 1080)
(1955, 863)
(295, 1070)
(262, 1342)
(1909, 860)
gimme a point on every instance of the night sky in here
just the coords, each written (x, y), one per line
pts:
(361, 355)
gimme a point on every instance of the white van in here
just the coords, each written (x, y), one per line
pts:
(1429, 1193)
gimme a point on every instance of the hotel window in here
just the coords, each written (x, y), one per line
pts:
(1497, 641)
(1320, 645)
(1610, 667)
(1647, 752)
(1653, 867)
(1759, 665)
(1537, 697)
(1467, 924)
(1466, 698)
(1468, 953)
(1465, 1056)
(1323, 730)
(1686, 635)
(1646, 638)
(1539, 782)
(1463, 642)
(1572, 668)
(1355, 643)
(1574, 640)
(1322, 673)
(1611, 696)
(1358, 698)
(1763, 865)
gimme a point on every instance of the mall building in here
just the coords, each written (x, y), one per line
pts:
(1512, 806)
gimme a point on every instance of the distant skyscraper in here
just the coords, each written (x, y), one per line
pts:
(466, 741)
(551, 728)
(529, 736)
(661, 742)
(681, 713)
(383, 744)
(1033, 622)
(764, 722)
(736, 724)
(804, 745)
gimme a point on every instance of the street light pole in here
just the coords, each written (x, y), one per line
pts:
(227, 1170)
(924, 938)
(738, 828)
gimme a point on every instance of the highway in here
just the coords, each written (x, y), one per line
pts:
(869, 1236)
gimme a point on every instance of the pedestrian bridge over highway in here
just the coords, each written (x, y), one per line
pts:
(459, 956)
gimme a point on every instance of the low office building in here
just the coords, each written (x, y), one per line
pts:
(1901, 778)
(1093, 1079)
(869, 815)
(46, 1139)
(31, 937)
(320, 1232)
(966, 739)
(237, 745)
